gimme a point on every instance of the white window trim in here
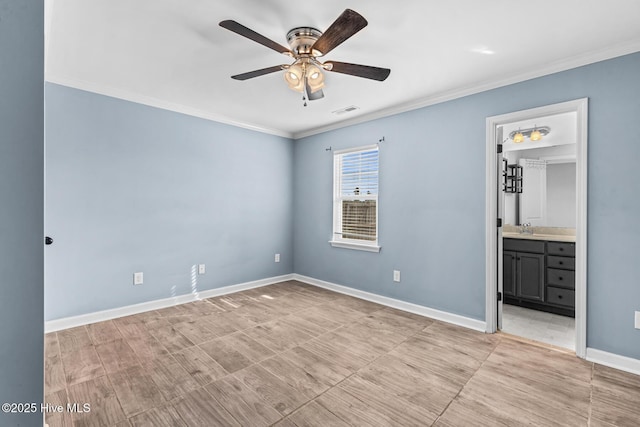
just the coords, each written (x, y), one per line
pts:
(351, 244)
(354, 149)
(338, 242)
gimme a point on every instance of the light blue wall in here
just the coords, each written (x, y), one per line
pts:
(432, 200)
(133, 188)
(21, 206)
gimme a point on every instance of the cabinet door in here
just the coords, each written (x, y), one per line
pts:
(509, 273)
(530, 272)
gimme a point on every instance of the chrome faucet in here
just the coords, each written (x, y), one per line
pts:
(526, 228)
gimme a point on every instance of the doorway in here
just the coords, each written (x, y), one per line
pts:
(541, 257)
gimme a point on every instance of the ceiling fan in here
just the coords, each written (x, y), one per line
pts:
(307, 44)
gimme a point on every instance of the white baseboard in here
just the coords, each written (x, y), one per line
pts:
(100, 316)
(612, 360)
(421, 310)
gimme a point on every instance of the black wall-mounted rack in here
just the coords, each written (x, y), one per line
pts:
(511, 178)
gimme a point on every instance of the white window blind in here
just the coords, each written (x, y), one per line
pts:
(355, 204)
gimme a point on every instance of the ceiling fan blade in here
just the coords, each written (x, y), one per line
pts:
(252, 35)
(366, 71)
(257, 73)
(347, 24)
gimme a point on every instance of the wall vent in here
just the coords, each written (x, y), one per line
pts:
(345, 110)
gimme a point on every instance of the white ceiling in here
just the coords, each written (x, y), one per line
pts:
(172, 53)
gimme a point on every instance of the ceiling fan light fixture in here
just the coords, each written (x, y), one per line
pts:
(315, 78)
(306, 73)
(294, 77)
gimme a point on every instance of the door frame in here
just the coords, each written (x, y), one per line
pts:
(580, 107)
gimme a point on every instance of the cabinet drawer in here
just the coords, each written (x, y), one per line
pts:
(561, 296)
(566, 263)
(564, 278)
(561, 248)
(522, 245)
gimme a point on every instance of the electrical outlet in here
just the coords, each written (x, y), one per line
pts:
(138, 278)
(637, 319)
(201, 269)
(277, 258)
(396, 275)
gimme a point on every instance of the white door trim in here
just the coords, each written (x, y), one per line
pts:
(580, 107)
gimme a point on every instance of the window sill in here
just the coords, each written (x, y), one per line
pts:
(355, 246)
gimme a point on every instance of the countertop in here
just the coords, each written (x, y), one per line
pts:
(546, 237)
(540, 233)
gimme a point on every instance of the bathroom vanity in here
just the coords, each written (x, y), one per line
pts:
(539, 271)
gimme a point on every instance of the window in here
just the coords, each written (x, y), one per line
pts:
(355, 199)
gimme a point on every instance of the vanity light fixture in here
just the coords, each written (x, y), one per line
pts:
(534, 134)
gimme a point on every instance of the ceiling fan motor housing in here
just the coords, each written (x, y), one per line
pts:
(301, 39)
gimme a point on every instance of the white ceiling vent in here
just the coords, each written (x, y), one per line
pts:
(345, 110)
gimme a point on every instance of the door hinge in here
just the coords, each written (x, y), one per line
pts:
(499, 296)
(499, 148)
(499, 222)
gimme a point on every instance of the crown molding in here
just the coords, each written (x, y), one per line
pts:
(551, 68)
(159, 103)
(501, 81)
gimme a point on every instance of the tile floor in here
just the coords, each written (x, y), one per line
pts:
(295, 355)
(540, 326)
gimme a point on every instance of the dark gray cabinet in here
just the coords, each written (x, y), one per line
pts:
(539, 275)
(561, 280)
(509, 273)
(523, 269)
(530, 276)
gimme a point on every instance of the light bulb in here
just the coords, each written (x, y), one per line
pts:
(536, 135)
(518, 137)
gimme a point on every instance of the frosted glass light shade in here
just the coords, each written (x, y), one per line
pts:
(294, 76)
(315, 78)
